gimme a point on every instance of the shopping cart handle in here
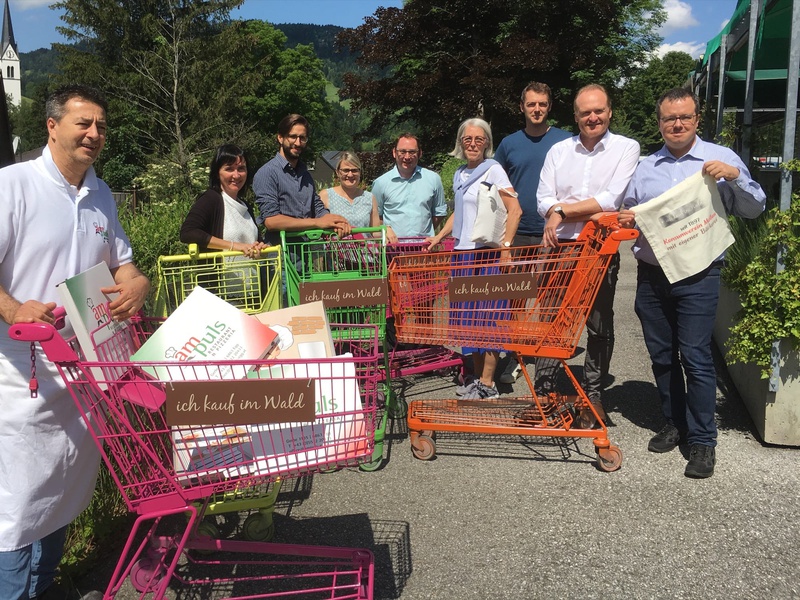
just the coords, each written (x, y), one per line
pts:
(32, 332)
(38, 332)
(60, 316)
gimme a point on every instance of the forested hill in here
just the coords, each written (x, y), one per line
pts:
(38, 64)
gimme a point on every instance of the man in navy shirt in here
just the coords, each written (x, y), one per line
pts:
(286, 196)
(522, 154)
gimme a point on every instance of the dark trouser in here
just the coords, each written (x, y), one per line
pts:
(599, 343)
(600, 333)
(521, 239)
(677, 323)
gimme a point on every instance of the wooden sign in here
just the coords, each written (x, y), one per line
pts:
(335, 294)
(240, 402)
(503, 286)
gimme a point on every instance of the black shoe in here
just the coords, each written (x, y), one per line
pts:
(665, 440)
(701, 461)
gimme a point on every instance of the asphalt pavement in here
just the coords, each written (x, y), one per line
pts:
(507, 517)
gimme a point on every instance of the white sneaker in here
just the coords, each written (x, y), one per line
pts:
(469, 384)
(481, 392)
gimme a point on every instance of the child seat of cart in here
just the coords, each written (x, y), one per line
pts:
(139, 388)
(128, 381)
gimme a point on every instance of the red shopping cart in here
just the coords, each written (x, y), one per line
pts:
(532, 301)
(164, 469)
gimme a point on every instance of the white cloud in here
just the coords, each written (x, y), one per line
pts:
(679, 16)
(23, 5)
(695, 49)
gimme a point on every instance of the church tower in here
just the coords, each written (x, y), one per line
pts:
(9, 59)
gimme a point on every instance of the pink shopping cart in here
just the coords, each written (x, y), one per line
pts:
(164, 469)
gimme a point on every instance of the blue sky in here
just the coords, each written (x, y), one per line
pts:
(691, 22)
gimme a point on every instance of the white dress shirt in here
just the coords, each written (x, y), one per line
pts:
(572, 173)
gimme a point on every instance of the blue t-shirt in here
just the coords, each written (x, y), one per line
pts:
(357, 212)
(522, 158)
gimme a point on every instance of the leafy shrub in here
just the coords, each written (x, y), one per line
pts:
(163, 179)
(97, 529)
(770, 300)
(154, 230)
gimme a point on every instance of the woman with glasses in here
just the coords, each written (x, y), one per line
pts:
(348, 198)
(474, 144)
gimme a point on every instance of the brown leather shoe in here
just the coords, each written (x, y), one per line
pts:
(586, 418)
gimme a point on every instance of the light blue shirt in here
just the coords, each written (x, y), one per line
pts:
(409, 205)
(661, 171)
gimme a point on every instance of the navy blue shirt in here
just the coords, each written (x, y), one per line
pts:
(285, 190)
(522, 157)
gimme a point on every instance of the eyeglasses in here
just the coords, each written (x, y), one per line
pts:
(297, 138)
(349, 171)
(670, 121)
(407, 152)
(468, 141)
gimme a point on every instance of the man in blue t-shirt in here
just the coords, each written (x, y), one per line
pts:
(522, 154)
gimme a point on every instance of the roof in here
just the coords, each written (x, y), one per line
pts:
(771, 59)
(7, 38)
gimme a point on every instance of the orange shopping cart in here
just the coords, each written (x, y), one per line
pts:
(533, 301)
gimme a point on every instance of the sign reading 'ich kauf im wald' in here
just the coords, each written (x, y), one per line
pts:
(505, 286)
(337, 294)
(240, 402)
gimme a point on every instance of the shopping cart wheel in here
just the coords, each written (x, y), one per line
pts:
(207, 528)
(377, 459)
(145, 574)
(258, 527)
(423, 447)
(609, 459)
(399, 408)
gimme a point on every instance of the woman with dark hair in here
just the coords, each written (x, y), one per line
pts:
(219, 219)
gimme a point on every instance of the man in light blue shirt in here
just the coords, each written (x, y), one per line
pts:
(678, 318)
(410, 198)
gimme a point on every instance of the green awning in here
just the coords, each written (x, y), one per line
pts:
(715, 42)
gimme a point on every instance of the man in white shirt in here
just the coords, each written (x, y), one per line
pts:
(581, 176)
(60, 220)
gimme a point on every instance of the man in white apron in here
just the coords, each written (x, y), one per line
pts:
(58, 219)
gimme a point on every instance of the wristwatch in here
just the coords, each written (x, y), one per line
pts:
(506, 244)
(560, 211)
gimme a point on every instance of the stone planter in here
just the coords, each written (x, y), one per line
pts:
(776, 414)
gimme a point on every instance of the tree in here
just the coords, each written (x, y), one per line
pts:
(437, 62)
(155, 55)
(182, 78)
(287, 80)
(636, 108)
(27, 119)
